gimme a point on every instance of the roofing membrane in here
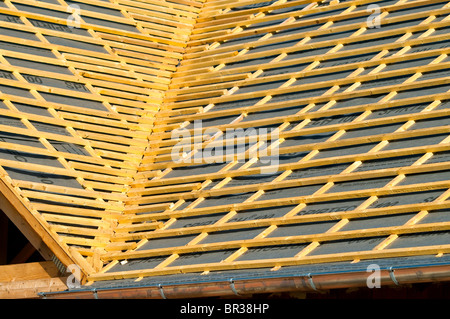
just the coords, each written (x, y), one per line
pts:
(340, 152)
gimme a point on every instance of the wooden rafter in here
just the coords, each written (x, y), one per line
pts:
(27, 280)
(86, 169)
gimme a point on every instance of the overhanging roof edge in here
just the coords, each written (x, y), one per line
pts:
(304, 282)
(31, 228)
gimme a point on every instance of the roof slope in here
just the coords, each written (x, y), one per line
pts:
(80, 83)
(113, 134)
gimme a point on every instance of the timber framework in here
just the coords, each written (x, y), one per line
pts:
(114, 116)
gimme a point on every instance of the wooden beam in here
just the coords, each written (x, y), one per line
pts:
(31, 289)
(264, 263)
(276, 241)
(28, 271)
(293, 166)
(27, 280)
(176, 45)
(279, 221)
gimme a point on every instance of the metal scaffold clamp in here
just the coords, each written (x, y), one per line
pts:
(161, 290)
(392, 276)
(233, 288)
(311, 282)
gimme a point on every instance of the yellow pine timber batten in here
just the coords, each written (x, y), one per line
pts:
(92, 110)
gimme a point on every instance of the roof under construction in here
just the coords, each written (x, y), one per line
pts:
(228, 146)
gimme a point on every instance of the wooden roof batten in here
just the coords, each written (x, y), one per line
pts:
(104, 143)
(88, 142)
